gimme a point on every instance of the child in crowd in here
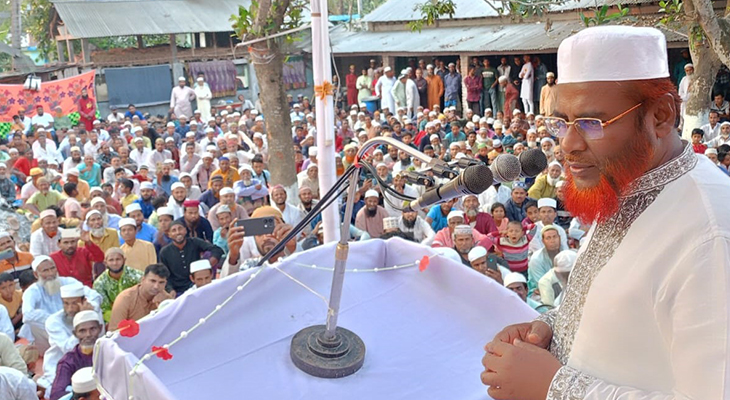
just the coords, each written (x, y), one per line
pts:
(514, 247)
(499, 214)
(697, 145)
(533, 215)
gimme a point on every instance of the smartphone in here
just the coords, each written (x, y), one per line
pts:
(492, 262)
(257, 226)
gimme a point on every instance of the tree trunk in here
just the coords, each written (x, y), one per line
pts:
(706, 65)
(276, 114)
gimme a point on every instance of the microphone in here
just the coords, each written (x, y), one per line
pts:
(464, 162)
(472, 180)
(418, 178)
(533, 162)
(506, 168)
(444, 171)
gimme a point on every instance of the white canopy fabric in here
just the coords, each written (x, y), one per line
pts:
(424, 331)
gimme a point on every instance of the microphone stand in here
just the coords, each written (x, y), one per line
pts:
(329, 351)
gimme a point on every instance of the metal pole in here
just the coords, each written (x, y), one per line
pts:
(325, 116)
(341, 259)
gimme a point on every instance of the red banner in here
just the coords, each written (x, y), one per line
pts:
(63, 92)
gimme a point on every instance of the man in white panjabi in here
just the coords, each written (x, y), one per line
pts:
(203, 96)
(645, 315)
(181, 99)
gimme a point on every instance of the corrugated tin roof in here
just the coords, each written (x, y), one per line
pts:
(403, 10)
(104, 18)
(478, 39)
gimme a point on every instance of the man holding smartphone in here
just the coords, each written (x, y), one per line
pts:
(244, 252)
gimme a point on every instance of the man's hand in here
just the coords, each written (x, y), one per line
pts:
(537, 333)
(506, 366)
(85, 237)
(236, 234)
(258, 187)
(281, 231)
(494, 274)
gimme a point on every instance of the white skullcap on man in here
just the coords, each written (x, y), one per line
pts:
(85, 316)
(164, 211)
(97, 200)
(225, 191)
(371, 193)
(132, 208)
(177, 185)
(48, 213)
(72, 290)
(564, 261)
(601, 54)
(71, 233)
(462, 230)
(127, 222)
(91, 214)
(390, 222)
(146, 185)
(455, 214)
(514, 277)
(476, 253)
(82, 381)
(547, 202)
(199, 265)
(38, 260)
(711, 151)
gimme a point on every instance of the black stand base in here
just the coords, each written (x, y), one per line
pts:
(314, 354)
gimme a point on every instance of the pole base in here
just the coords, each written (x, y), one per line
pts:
(318, 356)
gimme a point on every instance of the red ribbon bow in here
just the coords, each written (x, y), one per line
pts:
(128, 328)
(162, 353)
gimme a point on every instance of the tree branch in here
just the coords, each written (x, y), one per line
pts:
(717, 30)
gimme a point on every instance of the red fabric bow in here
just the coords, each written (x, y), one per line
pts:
(423, 264)
(162, 353)
(128, 328)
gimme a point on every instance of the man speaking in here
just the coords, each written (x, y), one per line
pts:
(645, 314)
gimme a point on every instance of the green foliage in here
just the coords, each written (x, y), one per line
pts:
(123, 42)
(603, 17)
(672, 10)
(432, 12)
(37, 20)
(245, 24)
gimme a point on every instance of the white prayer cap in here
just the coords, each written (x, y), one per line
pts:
(258, 135)
(601, 54)
(476, 253)
(199, 265)
(419, 114)
(475, 119)
(259, 118)
(502, 78)
(127, 221)
(724, 123)
(496, 143)
(565, 260)
(708, 151)
(82, 381)
(560, 184)
(138, 139)
(38, 260)
(353, 112)
(390, 222)
(92, 212)
(454, 145)
(137, 129)
(178, 185)
(193, 122)
(165, 211)
(497, 125)
(555, 163)
(490, 120)
(377, 151)
(254, 111)
(371, 193)
(225, 191)
(70, 233)
(313, 151)
(209, 129)
(550, 75)
(224, 113)
(146, 185)
(688, 66)
(514, 277)
(429, 66)
(455, 214)
(223, 209)
(432, 113)
(547, 202)
(96, 200)
(72, 290)
(85, 316)
(170, 124)
(432, 137)
(311, 165)
(387, 69)
(462, 230)
(184, 175)
(200, 79)
(182, 78)
(73, 171)
(516, 111)
(48, 213)
(486, 110)
(169, 161)
(382, 164)
(132, 207)
(208, 155)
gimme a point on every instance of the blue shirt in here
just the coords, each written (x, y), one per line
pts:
(147, 207)
(129, 115)
(449, 138)
(147, 232)
(438, 220)
(220, 242)
(165, 186)
(92, 177)
(452, 85)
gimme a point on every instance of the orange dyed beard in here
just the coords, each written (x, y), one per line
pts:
(600, 202)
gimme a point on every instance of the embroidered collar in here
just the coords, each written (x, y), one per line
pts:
(665, 173)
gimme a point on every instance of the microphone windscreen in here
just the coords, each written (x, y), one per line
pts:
(533, 162)
(506, 168)
(478, 178)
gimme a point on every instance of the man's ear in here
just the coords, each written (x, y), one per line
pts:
(664, 114)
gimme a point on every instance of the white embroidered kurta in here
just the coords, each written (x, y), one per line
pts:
(203, 95)
(180, 100)
(528, 79)
(413, 99)
(647, 308)
(382, 89)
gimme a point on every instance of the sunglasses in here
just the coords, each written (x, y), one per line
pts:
(590, 128)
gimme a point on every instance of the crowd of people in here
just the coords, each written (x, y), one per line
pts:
(131, 211)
